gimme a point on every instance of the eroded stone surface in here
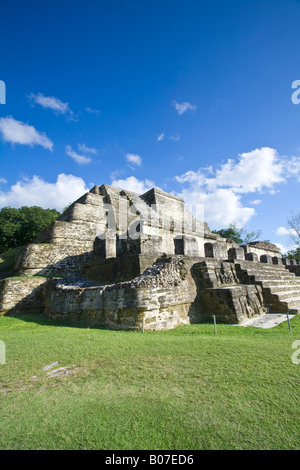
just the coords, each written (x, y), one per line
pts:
(118, 258)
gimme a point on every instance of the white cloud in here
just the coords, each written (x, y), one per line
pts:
(80, 159)
(175, 138)
(160, 137)
(51, 102)
(255, 202)
(255, 170)
(134, 159)
(183, 107)
(286, 232)
(17, 132)
(93, 111)
(292, 167)
(38, 192)
(222, 207)
(83, 148)
(3, 181)
(285, 248)
(221, 190)
(133, 184)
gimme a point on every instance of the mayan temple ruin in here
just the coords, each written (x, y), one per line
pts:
(119, 259)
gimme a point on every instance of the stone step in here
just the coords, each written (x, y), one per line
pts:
(278, 282)
(282, 280)
(262, 266)
(283, 288)
(292, 303)
(265, 267)
(272, 273)
(295, 309)
(289, 301)
(288, 295)
(262, 269)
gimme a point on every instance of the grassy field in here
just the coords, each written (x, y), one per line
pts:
(171, 390)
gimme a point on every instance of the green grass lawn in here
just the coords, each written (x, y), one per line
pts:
(181, 389)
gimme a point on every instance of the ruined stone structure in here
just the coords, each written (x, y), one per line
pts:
(116, 258)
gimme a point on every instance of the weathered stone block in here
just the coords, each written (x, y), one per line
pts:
(266, 259)
(236, 253)
(22, 295)
(251, 257)
(215, 250)
(148, 245)
(190, 246)
(105, 246)
(233, 304)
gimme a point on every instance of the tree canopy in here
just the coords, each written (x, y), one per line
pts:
(294, 224)
(21, 226)
(240, 236)
(294, 254)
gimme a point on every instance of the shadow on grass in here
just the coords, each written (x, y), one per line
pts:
(41, 319)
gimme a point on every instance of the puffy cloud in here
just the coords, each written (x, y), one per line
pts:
(38, 192)
(255, 170)
(80, 159)
(222, 207)
(17, 132)
(183, 107)
(284, 249)
(134, 159)
(221, 190)
(133, 184)
(285, 232)
(160, 137)
(51, 102)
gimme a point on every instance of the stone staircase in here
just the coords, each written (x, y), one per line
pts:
(280, 287)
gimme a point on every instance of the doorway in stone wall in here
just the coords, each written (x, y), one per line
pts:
(178, 246)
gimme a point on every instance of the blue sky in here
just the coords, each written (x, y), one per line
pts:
(191, 96)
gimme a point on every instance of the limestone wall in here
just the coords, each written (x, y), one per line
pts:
(51, 260)
(172, 292)
(262, 248)
(22, 295)
(164, 295)
(233, 304)
(81, 234)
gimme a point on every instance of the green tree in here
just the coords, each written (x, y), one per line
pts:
(294, 254)
(21, 226)
(240, 236)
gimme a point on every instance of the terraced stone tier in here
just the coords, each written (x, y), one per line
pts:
(280, 287)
